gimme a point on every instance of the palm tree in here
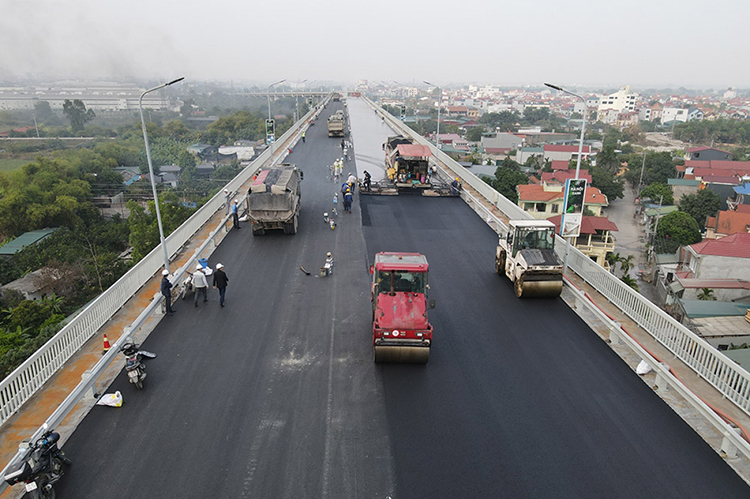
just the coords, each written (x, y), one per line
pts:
(630, 281)
(706, 294)
(626, 264)
(612, 259)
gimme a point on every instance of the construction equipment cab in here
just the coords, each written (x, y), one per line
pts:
(407, 163)
(400, 329)
(526, 255)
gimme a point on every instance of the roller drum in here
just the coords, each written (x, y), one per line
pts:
(539, 289)
(392, 354)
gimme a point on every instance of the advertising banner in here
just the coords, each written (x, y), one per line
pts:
(270, 131)
(570, 222)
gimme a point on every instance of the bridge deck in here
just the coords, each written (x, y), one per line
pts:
(276, 394)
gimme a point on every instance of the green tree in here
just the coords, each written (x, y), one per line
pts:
(504, 120)
(633, 283)
(674, 230)
(507, 176)
(475, 134)
(185, 159)
(607, 159)
(705, 203)
(43, 111)
(77, 114)
(656, 192)
(611, 186)
(706, 294)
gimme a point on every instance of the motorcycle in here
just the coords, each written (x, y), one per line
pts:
(43, 469)
(134, 365)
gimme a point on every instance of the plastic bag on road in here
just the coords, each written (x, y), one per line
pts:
(111, 399)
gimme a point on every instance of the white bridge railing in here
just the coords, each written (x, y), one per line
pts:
(725, 375)
(29, 377)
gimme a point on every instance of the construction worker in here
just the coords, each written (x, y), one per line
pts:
(303, 137)
(348, 201)
(455, 187)
(352, 181)
(368, 181)
(235, 216)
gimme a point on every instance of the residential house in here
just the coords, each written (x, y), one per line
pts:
(201, 151)
(670, 114)
(726, 223)
(695, 113)
(596, 239)
(545, 200)
(723, 258)
(683, 187)
(564, 153)
(704, 153)
(37, 284)
(622, 100)
(25, 239)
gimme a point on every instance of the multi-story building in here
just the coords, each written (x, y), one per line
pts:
(621, 101)
(96, 96)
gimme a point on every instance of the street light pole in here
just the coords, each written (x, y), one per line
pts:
(151, 170)
(578, 162)
(268, 95)
(440, 98)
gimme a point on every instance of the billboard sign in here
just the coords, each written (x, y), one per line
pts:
(270, 136)
(570, 221)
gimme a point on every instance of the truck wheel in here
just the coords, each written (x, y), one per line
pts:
(500, 263)
(291, 227)
(258, 232)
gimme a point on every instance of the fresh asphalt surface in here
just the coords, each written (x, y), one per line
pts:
(276, 395)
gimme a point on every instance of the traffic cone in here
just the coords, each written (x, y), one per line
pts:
(106, 345)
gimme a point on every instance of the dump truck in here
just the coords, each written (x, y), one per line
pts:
(274, 199)
(526, 255)
(401, 332)
(336, 124)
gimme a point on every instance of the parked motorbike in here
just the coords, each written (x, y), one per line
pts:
(134, 365)
(43, 469)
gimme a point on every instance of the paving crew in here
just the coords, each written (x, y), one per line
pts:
(166, 291)
(329, 262)
(200, 285)
(303, 136)
(227, 198)
(220, 281)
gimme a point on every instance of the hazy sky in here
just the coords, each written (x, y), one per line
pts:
(643, 43)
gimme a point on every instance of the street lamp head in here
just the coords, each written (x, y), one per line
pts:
(554, 86)
(174, 81)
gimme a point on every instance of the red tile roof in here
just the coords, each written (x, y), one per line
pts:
(561, 175)
(737, 246)
(730, 222)
(497, 150)
(721, 179)
(743, 208)
(589, 225)
(560, 165)
(554, 148)
(529, 193)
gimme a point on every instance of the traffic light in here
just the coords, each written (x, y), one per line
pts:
(403, 112)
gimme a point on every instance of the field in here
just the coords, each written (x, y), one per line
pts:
(8, 165)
